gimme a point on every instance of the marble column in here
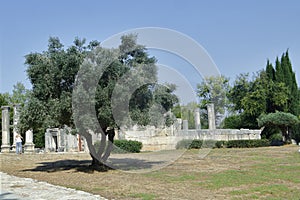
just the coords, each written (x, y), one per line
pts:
(185, 124)
(197, 119)
(211, 116)
(5, 147)
(29, 146)
(15, 124)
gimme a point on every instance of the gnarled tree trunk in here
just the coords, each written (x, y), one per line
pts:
(100, 155)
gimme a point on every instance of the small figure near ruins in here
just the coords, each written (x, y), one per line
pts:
(18, 140)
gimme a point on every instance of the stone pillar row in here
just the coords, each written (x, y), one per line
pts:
(211, 118)
(5, 147)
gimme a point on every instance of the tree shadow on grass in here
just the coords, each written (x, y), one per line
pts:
(125, 164)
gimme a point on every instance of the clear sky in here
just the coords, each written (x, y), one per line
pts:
(238, 35)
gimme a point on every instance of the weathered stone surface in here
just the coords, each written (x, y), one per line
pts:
(29, 146)
(5, 147)
(15, 124)
(13, 187)
(154, 142)
(197, 119)
(211, 116)
(61, 140)
(185, 124)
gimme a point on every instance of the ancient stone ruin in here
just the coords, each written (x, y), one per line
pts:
(6, 147)
(61, 140)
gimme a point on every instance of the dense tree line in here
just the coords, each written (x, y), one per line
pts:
(271, 90)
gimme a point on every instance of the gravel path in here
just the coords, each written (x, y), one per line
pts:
(15, 188)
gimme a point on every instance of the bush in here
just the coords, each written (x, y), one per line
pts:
(209, 144)
(184, 144)
(220, 144)
(296, 132)
(195, 144)
(129, 146)
(276, 140)
(247, 143)
(124, 146)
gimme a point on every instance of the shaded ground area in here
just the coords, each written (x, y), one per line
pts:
(260, 173)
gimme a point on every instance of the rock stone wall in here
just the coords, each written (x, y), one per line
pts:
(167, 139)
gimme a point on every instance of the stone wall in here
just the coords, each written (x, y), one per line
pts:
(167, 139)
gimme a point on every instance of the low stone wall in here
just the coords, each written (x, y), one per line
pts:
(167, 139)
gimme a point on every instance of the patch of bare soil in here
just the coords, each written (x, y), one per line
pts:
(158, 175)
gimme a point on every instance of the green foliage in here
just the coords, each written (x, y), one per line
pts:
(52, 74)
(195, 144)
(198, 144)
(20, 94)
(284, 74)
(39, 138)
(296, 132)
(213, 90)
(189, 144)
(247, 143)
(220, 144)
(233, 122)
(124, 146)
(188, 113)
(270, 91)
(185, 144)
(276, 140)
(124, 70)
(239, 90)
(280, 119)
(128, 146)
(270, 71)
(209, 144)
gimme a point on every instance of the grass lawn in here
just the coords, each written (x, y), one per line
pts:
(258, 173)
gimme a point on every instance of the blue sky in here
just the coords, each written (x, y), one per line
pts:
(238, 35)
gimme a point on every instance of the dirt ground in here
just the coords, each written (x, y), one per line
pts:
(152, 175)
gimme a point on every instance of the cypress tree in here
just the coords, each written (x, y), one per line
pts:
(270, 71)
(279, 72)
(291, 83)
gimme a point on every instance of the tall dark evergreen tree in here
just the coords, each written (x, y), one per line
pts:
(279, 71)
(270, 71)
(284, 74)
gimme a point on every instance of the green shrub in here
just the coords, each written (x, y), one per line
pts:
(276, 140)
(184, 144)
(247, 143)
(296, 132)
(127, 146)
(209, 144)
(220, 144)
(196, 144)
(124, 146)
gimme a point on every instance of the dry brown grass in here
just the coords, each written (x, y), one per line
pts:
(223, 174)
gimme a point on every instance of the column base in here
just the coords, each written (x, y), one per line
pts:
(28, 148)
(5, 149)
